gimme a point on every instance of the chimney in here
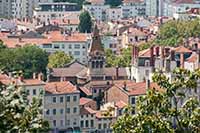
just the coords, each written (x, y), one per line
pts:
(147, 84)
(195, 47)
(125, 86)
(172, 55)
(40, 76)
(34, 75)
(152, 56)
(157, 51)
(162, 52)
(167, 52)
(182, 60)
(21, 78)
(117, 72)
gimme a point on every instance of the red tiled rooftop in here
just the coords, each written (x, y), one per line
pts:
(86, 91)
(120, 104)
(192, 58)
(84, 100)
(60, 87)
(182, 49)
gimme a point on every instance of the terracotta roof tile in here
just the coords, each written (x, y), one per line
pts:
(86, 91)
(192, 58)
(60, 88)
(182, 49)
(120, 104)
(84, 100)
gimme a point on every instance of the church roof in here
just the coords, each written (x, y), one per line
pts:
(96, 42)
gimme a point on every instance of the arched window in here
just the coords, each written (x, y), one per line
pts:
(101, 64)
(93, 64)
(97, 64)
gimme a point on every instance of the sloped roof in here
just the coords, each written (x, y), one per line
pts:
(192, 58)
(60, 88)
(85, 100)
(182, 49)
(96, 41)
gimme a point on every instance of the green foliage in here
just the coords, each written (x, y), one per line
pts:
(85, 24)
(173, 32)
(113, 3)
(146, 45)
(29, 59)
(162, 111)
(2, 46)
(59, 59)
(17, 115)
(123, 60)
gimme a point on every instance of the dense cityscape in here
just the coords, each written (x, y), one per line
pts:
(99, 66)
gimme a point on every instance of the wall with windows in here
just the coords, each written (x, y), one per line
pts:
(62, 111)
(76, 49)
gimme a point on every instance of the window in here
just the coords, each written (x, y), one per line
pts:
(147, 63)
(56, 46)
(77, 46)
(74, 98)
(95, 91)
(63, 46)
(54, 111)
(86, 123)
(61, 123)
(68, 122)
(47, 112)
(75, 110)
(99, 126)
(54, 123)
(68, 98)
(54, 99)
(28, 92)
(70, 46)
(76, 52)
(82, 123)
(34, 91)
(68, 110)
(133, 100)
(92, 123)
(61, 99)
(61, 111)
(104, 125)
(75, 121)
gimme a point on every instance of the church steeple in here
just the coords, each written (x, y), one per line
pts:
(96, 45)
(96, 62)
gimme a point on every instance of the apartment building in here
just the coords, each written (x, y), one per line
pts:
(46, 12)
(180, 6)
(97, 9)
(153, 7)
(75, 45)
(61, 106)
(6, 8)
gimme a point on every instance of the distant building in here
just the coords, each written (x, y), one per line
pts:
(6, 8)
(133, 8)
(46, 12)
(97, 9)
(61, 106)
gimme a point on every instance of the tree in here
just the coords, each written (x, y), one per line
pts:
(17, 115)
(29, 59)
(113, 3)
(163, 111)
(85, 24)
(123, 60)
(59, 59)
(2, 46)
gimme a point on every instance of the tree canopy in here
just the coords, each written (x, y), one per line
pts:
(59, 59)
(17, 115)
(85, 25)
(29, 59)
(123, 60)
(168, 111)
(173, 32)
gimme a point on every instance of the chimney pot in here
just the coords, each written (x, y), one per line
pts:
(40, 76)
(182, 60)
(34, 75)
(147, 84)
